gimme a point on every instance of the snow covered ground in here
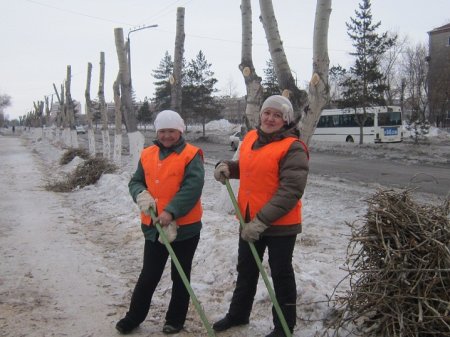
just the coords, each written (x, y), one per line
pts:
(70, 260)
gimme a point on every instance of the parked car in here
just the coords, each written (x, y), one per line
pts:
(80, 129)
(235, 138)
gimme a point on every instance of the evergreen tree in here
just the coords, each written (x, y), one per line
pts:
(162, 85)
(365, 84)
(270, 81)
(198, 101)
(144, 114)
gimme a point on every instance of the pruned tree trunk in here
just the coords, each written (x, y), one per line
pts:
(135, 138)
(60, 112)
(252, 80)
(175, 80)
(117, 156)
(71, 135)
(125, 82)
(103, 108)
(298, 97)
(89, 109)
(319, 91)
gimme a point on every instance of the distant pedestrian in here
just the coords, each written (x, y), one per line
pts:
(13, 128)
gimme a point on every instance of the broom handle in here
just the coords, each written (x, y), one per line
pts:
(260, 266)
(185, 280)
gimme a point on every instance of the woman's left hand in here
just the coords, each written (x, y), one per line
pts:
(165, 218)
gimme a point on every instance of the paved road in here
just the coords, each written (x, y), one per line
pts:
(428, 179)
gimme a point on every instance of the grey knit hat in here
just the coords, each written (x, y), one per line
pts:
(279, 103)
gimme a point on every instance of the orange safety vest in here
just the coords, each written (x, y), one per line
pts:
(259, 175)
(164, 178)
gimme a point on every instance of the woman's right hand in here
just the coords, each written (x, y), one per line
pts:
(222, 172)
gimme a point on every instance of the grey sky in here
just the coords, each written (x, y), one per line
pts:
(41, 37)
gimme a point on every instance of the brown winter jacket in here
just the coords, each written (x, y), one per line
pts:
(293, 173)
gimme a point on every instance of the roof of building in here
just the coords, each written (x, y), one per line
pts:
(444, 28)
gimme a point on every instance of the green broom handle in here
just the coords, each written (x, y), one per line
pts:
(172, 254)
(260, 266)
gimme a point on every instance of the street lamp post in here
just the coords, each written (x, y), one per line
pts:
(129, 42)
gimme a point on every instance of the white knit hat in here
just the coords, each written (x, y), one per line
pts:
(168, 119)
(279, 103)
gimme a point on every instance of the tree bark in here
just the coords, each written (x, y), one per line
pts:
(176, 80)
(87, 96)
(125, 82)
(117, 156)
(319, 90)
(70, 136)
(252, 80)
(286, 81)
(103, 108)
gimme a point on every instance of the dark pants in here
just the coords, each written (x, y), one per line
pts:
(155, 258)
(280, 261)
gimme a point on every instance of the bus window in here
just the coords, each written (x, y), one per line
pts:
(389, 118)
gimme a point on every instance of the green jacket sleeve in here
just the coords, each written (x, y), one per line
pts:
(137, 182)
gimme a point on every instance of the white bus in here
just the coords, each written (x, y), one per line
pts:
(383, 125)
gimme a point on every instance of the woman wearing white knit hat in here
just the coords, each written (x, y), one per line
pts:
(169, 179)
(273, 169)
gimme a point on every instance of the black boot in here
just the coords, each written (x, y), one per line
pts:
(126, 325)
(169, 329)
(277, 332)
(228, 322)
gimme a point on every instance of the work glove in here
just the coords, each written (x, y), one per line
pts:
(222, 172)
(145, 201)
(253, 229)
(170, 230)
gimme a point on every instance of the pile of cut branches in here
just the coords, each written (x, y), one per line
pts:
(86, 173)
(399, 270)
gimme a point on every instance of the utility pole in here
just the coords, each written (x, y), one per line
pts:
(129, 43)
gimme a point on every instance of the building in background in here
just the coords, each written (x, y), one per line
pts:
(439, 75)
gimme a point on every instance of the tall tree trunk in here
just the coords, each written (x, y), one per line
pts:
(71, 135)
(103, 108)
(175, 81)
(319, 90)
(87, 96)
(125, 82)
(286, 81)
(135, 138)
(252, 80)
(117, 155)
(60, 112)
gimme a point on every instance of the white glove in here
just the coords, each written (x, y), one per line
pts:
(145, 201)
(171, 232)
(222, 172)
(252, 230)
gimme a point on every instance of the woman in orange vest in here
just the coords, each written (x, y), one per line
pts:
(169, 179)
(273, 169)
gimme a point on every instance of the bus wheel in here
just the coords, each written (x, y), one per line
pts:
(349, 139)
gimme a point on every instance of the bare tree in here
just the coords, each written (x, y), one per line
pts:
(319, 92)
(103, 109)
(415, 70)
(299, 98)
(70, 136)
(125, 82)
(176, 80)
(118, 122)
(135, 138)
(389, 65)
(252, 80)
(89, 110)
